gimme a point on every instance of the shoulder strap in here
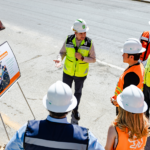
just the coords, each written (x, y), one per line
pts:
(70, 38)
(89, 41)
(116, 142)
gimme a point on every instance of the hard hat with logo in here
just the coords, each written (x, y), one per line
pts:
(133, 46)
(59, 98)
(80, 26)
(132, 100)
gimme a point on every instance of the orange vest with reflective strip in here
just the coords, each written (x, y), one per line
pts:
(138, 69)
(145, 40)
(124, 143)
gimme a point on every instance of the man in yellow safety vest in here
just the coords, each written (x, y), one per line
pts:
(79, 52)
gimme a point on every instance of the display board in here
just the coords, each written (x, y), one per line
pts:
(9, 69)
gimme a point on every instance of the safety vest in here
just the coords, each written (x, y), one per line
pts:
(43, 135)
(147, 73)
(126, 78)
(145, 40)
(72, 66)
(124, 143)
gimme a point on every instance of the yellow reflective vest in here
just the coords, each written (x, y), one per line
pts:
(147, 73)
(72, 66)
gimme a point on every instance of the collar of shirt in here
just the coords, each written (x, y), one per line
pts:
(63, 120)
(78, 42)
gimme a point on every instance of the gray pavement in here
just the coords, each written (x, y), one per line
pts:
(36, 31)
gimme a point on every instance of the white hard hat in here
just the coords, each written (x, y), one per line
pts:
(80, 26)
(132, 100)
(149, 22)
(132, 46)
(59, 98)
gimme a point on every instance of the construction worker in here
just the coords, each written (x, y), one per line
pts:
(145, 40)
(55, 132)
(134, 74)
(129, 131)
(79, 52)
(146, 89)
(1, 26)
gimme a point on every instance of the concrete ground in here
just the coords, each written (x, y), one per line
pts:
(36, 31)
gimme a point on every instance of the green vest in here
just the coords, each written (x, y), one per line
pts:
(72, 66)
(147, 73)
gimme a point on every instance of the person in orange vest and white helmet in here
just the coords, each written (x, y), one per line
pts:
(129, 131)
(145, 40)
(134, 74)
(79, 51)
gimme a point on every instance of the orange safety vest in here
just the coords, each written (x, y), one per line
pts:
(138, 69)
(145, 40)
(124, 143)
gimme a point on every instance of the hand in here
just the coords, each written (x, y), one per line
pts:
(57, 63)
(78, 56)
(113, 101)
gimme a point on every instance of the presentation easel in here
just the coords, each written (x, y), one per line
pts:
(9, 74)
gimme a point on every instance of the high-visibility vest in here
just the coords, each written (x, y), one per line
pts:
(147, 73)
(72, 66)
(46, 135)
(124, 143)
(145, 40)
(137, 69)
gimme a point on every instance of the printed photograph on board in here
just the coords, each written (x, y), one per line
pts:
(9, 69)
(4, 77)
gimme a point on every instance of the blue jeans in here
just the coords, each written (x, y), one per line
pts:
(78, 86)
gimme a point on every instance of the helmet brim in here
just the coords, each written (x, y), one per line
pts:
(133, 52)
(60, 109)
(80, 31)
(138, 110)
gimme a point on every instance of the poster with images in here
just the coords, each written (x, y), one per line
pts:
(9, 69)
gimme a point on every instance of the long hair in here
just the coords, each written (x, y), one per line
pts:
(134, 124)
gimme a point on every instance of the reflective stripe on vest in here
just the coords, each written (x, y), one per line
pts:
(54, 144)
(147, 73)
(138, 70)
(145, 41)
(124, 143)
(43, 135)
(144, 38)
(72, 66)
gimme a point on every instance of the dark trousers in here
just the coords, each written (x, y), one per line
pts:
(78, 86)
(146, 92)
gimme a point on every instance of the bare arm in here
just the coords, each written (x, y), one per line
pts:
(112, 134)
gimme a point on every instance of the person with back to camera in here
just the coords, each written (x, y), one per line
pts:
(129, 130)
(55, 132)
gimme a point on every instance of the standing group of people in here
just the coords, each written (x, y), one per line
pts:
(130, 128)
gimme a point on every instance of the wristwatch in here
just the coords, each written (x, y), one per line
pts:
(82, 58)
